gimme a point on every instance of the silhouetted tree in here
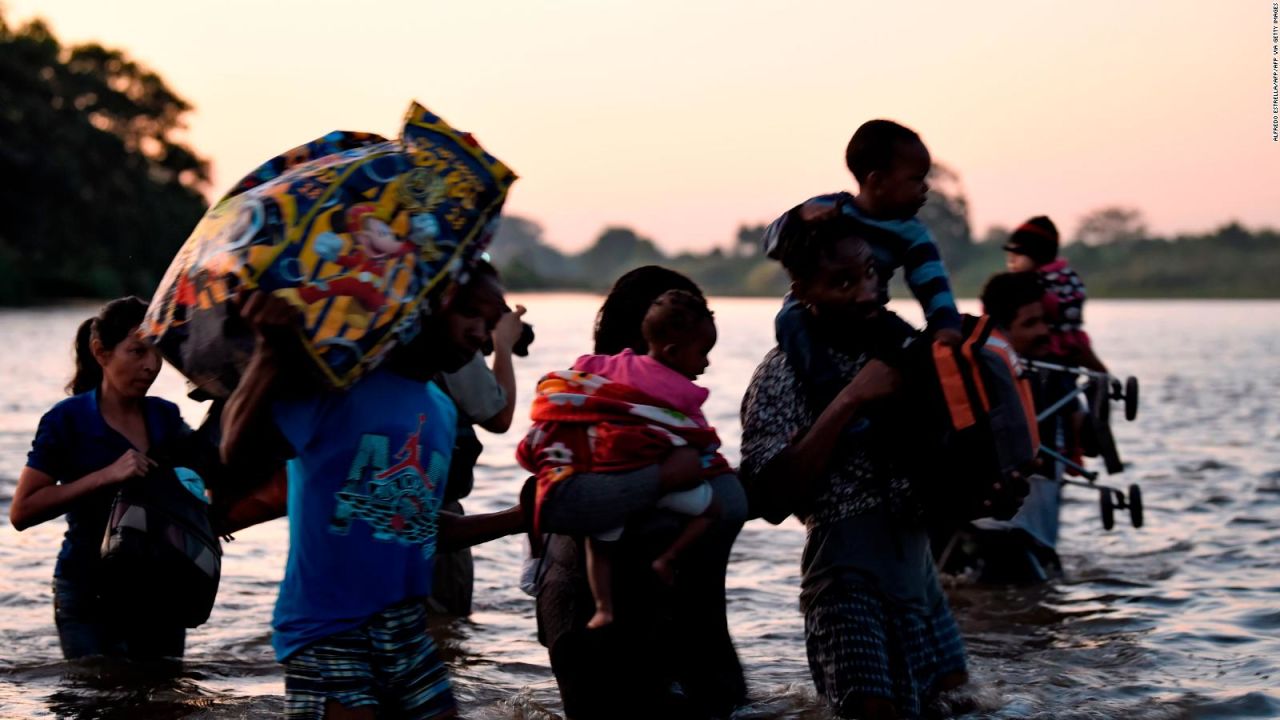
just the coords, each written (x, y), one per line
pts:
(1110, 225)
(947, 214)
(99, 192)
(747, 243)
(617, 250)
(516, 236)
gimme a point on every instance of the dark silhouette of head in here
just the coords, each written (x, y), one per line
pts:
(619, 324)
(1037, 239)
(1014, 302)
(891, 164)
(681, 331)
(832, 269)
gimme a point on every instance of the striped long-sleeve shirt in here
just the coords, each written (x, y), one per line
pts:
(905, 244)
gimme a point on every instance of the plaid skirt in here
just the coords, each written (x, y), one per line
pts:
(391, 664)
(862, 645)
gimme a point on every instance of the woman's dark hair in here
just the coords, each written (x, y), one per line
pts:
(1007, 293)
(621, 318)
(804, 246)
(112, 324)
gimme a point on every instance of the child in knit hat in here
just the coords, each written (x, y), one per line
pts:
(1033, 247)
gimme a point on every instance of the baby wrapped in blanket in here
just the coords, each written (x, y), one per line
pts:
(617, 413)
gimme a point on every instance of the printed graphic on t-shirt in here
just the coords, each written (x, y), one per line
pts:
(399, 501)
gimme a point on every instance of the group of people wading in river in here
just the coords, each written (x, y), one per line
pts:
(631, 508)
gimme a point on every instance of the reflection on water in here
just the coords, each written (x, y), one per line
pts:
(1178, 620)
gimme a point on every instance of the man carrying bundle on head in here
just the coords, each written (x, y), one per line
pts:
(364, 510)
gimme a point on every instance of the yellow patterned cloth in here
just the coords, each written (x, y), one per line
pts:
(357, 231)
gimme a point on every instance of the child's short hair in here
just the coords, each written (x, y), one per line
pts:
(1036, 238)
(874, 146)
(803, 246)
(1007, 293)
(674, 317)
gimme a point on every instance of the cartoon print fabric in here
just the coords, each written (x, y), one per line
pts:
(355, 230)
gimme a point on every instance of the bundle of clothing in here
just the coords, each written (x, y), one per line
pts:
(588, 423)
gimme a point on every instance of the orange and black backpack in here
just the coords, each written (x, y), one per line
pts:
(975, 432)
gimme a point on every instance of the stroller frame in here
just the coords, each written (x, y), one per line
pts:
(1099, 390)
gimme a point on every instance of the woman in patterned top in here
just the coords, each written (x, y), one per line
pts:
(880, 637)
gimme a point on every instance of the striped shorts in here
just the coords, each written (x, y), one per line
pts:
(860, 645)
(391, 664)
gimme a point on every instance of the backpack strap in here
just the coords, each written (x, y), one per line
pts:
(952, 380)
(976, 341)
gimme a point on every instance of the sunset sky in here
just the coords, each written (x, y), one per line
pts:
(684, 118)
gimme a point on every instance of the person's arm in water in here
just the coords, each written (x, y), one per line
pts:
(462, 531)
(458, 531)
(39, 497)
(505, 336)
(791, 476)
(244, 413)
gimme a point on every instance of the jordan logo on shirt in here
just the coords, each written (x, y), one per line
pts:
(397, 500)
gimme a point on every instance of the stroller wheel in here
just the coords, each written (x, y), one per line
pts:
(1135, 505)
(1108, 508)
(1131, 399)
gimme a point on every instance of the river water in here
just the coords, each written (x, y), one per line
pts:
(1180, 619)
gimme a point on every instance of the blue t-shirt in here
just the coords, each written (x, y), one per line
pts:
(74, 440)
(364, 500)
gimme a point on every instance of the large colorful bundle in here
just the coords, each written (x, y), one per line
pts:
(357, 231)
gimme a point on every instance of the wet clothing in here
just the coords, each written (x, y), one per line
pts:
(860, 645)
(1064, 296)
(85, 630)
(364, 498)
(660, 635)
(72, 441)
(876, 620)
(390, 662)
(905, 244)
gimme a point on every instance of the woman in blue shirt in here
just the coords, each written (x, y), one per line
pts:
(85, 447)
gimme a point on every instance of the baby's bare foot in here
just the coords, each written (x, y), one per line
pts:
(600, 619)
(665, 568)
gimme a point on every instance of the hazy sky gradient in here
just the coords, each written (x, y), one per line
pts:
(685, 118)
